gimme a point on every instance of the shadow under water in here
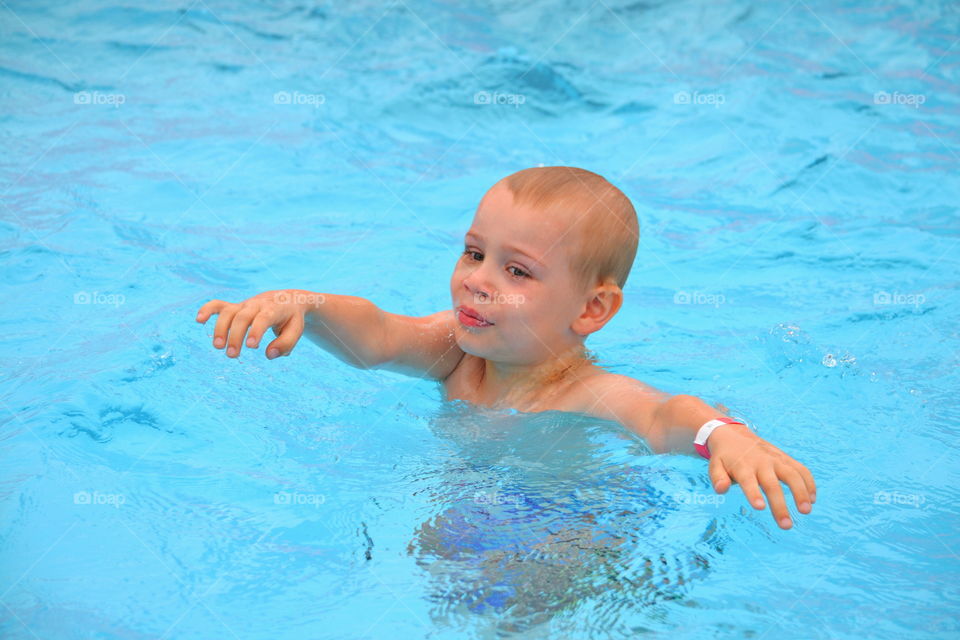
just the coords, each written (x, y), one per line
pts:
(543, 514)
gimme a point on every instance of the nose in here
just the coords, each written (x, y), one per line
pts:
(475, 282)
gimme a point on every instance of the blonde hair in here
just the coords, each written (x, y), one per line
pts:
(608, 226)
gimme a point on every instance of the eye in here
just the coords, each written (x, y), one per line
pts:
(473, 255)
(518, 272)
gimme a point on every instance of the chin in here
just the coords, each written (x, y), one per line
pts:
(468, 343)
(473, 344)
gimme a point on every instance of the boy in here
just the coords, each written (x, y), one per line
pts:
(543, 267)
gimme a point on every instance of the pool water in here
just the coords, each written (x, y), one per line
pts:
(794, 166)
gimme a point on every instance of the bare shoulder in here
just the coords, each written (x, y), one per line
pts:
(611, 396)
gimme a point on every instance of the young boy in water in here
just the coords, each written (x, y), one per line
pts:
(543, 267)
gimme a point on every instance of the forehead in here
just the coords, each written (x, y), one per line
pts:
(500, 218)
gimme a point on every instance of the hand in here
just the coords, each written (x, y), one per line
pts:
(737, 452)
(282, 310)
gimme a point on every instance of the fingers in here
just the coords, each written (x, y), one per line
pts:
(762, 467)
(287, 337)
(261, 323)
(238, 329)
(798, 488)
(768, 481)
(224, 319)
(778, 504)
(235, 320)
(210, 308)
(748, 484)
(718, 475)
(807, 481)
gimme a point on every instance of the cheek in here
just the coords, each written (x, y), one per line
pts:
(544, 311)
(526, 312)
(457, 276)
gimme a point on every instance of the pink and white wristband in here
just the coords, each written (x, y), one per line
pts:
(700, 442)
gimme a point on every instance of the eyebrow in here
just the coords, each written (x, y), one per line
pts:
(539, 263)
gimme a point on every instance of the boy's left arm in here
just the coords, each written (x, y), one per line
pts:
(737, 454)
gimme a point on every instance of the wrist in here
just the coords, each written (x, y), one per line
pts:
(714, 432)
(305, 301)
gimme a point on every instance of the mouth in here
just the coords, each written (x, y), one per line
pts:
(471, 317)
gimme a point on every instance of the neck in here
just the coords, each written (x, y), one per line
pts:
(510, 385)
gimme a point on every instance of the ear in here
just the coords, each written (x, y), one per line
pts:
(603, 302)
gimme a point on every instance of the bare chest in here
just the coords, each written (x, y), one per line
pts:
(466, 383)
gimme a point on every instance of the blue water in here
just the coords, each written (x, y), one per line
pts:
(794, 166)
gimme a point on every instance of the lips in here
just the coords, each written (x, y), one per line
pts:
(472, 318)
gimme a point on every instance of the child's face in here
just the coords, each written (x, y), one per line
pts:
(515, 274)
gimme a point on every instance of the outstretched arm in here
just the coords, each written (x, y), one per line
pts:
(737, 454)
(353, 329)
(361, 334)
(417, 346)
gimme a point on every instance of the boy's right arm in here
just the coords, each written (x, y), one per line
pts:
(353, 329)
